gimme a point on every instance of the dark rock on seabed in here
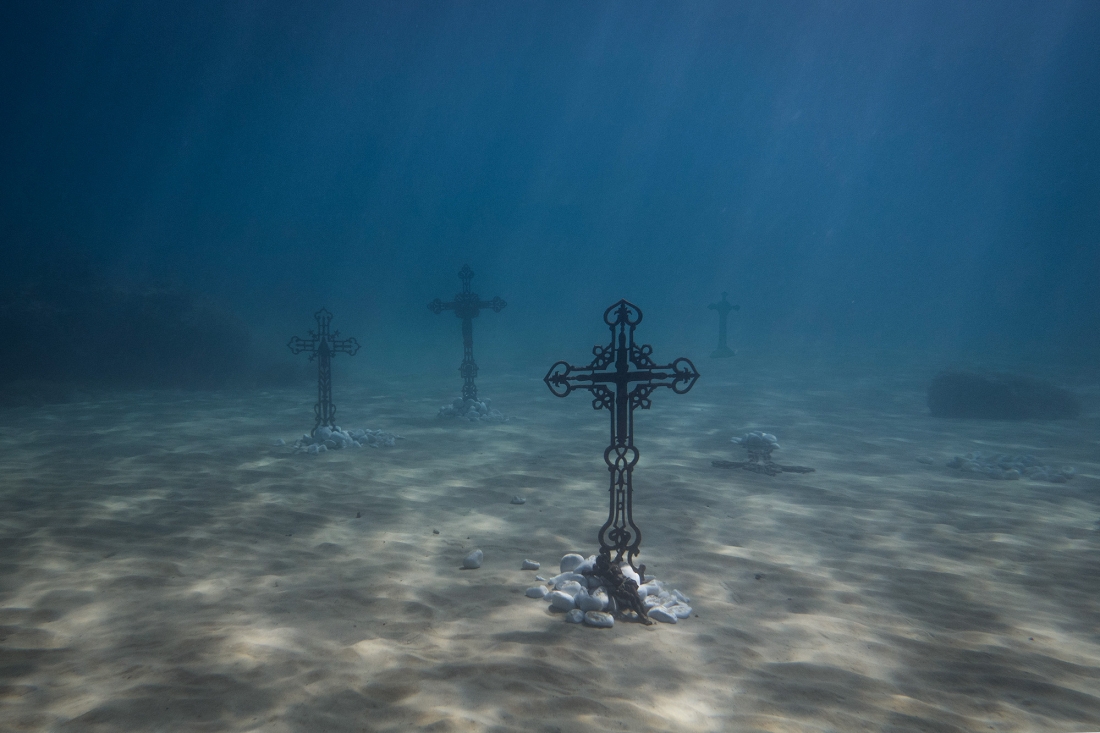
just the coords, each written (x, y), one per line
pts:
(999, 397)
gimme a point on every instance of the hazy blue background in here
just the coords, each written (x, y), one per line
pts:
(921, 179)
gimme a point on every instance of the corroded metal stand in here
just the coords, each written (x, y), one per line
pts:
(621, 377)
(467, 305)
(322, 345)
(723, 307)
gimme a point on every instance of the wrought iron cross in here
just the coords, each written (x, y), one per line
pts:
(621, 377)
(467, 305)
(322, 345)
(723, 307)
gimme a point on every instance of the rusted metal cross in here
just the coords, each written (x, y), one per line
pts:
(467, 305)
(322, 345)
(621, 378)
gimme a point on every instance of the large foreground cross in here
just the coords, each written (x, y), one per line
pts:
(467, 305)
(321, 345)
(621, 378)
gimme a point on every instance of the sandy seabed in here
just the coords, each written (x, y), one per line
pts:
(164, 567)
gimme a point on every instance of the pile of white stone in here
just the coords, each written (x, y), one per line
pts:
(757, 441)
(472, 410)
(325, 438)
(585, 600)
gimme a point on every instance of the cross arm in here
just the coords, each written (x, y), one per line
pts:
(437, 306)
(564, 378)
(497, 304)
(679, 376)
(346, 346)
(298, 345)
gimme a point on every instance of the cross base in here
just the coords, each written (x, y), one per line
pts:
(722, 352)
(473, 410)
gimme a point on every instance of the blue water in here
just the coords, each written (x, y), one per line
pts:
(919, 179)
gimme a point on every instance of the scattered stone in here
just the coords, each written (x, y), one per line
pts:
(575, 616)
(473, 560)
(358, 515)
(662, 614)
(279, 442)
(537, 591)
(570, 562)
(518, 500)
(1006, 467)
(435, 531)
(926, 460)
(599, 619)
(561, 601)
(529, 565)
(999, 397)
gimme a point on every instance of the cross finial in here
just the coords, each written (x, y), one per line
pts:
(467, 277)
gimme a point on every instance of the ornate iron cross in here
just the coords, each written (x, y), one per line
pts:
(322, 345)
(723, 307)
(467, 305)
(621, 377)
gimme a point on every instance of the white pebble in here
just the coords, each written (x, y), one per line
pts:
(587, 602)
(572, 587)
(561, 601)
(662, 614)
(570, 562)
(680, 610)
(560, 580)
(574, 616)
(599, 619)
(587, 566)
(529, 565)
(680, 597)
(538, 591)
(518, 500)
(473, 560)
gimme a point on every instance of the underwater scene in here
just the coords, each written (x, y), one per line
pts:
(550, 367)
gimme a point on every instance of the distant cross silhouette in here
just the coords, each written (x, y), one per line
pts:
(322, 345)
(619, 388)
(467, 305)
(723, 307)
